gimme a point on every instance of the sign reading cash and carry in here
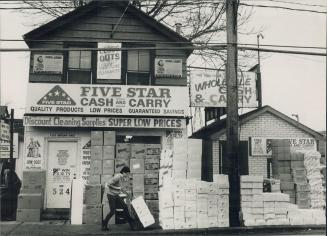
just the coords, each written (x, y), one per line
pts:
(107, 100)
(209, 89)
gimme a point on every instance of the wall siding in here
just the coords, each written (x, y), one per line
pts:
(266, 125)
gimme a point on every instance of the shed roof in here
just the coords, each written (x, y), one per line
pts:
(93, 5)
(219, 127)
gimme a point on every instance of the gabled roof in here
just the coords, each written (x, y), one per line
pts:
(93, 5)
(219, 127)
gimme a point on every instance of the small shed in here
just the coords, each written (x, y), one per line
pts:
(256, 130)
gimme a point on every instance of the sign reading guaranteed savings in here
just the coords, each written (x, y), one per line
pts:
(107, 100)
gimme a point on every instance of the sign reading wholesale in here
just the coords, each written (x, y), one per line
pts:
(122, 122)
(107, 100)
(209, 89)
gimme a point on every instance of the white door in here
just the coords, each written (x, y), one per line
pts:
(62, 159)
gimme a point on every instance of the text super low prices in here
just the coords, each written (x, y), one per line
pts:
(107, 100)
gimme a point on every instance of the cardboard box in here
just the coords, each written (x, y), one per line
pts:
(287, 185)
(190, 214)
(30, 201)
(108, 167)
(190, 206)
(179, 212)
(151, 177)
(153, 149)
(297, 164)
(251, 178)
(153, 188)
(108, 152)
(120, 163)
(179, 222)
(298, 172)
(138, 194)
(202, 187)
(152, 159)
(28, 215)
(190, 194)
(212, 210)
(96, 152)
(179, 164)
(151, 196)
(137, 166)
(212, 221)
(302, 187)
(193, 174)
(138, 150)
(94, 179)
(213, 188)
(92, 214)
(96, 138)
(92, 194)
(179, 198)
(105, 179)
(190, 222)
(96, 167)
(167, 223)
(123, 150)
(285, 177)
(109, 138)
(179, 174)
(34, 181)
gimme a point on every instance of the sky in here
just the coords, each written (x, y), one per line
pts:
(292, 84)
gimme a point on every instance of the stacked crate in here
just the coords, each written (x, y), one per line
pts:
(31, 197)
(189, 203)
(92, 208)
(194, 159)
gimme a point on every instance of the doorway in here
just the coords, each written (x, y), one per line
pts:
(62, 166)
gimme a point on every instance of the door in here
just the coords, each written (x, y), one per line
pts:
(62, 160)
(243, 157)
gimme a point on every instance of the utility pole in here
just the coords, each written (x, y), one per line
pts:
(232, 113)
(259, 82)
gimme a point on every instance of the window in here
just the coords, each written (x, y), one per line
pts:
(79, 68)
(138, 64)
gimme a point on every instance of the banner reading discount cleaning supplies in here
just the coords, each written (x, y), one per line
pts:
(107, 100)
(209, 89)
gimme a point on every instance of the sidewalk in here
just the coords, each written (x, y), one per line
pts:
(65, 228)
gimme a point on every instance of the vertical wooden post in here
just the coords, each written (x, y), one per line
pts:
(232, 113)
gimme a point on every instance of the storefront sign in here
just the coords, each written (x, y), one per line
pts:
(262, 146)
(4, 131)
(5, 147)
(48, 64)
(168, 68)
(209, 89)
(304, 144)
(107, 100)
(109, 62)
(122, 122)
(34, 150)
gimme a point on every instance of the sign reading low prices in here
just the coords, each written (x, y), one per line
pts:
(50, 64)
(107, 100)
(209, 89)
(122, 122)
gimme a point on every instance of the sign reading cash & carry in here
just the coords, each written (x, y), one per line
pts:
(107, 100)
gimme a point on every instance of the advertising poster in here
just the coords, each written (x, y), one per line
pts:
(260, 147)
(303, 144)
(5, 147)
(85, 159)
(61, 170)
(168, 68)
(128, 100)
(209, 89)
(34, 153)
(109, 62)
(48, 64)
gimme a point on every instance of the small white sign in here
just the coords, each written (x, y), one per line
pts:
(168, 68)
(49, 64)
(109, 62)
(5, 147)
(4, 131)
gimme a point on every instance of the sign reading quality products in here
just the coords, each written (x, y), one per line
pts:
(107, 100)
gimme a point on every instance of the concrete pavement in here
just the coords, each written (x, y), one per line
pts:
(65, 228)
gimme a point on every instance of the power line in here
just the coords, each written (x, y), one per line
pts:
(170, 42)
(283, 8)
(221, 47)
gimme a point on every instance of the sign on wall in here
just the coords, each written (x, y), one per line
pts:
(4, 131)
(209, 89)
(168, 68)
(107, 100)
(121, 122)
(85, 160)
(5, 147)
(263, 147)
(47, 63)
(109, 62)
(34, 153)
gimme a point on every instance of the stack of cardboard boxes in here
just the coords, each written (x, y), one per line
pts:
(180, 150)
(92, 209)
(315, 179)
(102, 168)
(194, 159)
(189, 203)
(31, 198)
